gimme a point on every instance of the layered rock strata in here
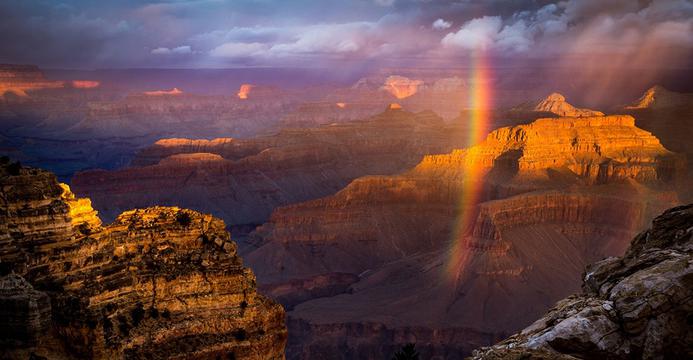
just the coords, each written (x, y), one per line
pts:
(635, 306)
(160, 282)
(544, 155)
(552, 196)
(242, 181)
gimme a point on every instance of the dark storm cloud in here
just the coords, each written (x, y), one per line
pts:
(216, 33)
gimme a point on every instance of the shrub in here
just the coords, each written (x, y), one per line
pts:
(14, 168)
(183, 218)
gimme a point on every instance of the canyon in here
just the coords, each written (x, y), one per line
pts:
(364, 209)
(243, 180)
(161, 282)
(551, 196)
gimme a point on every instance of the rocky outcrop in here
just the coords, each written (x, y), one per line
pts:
(635, 306)
(160, 282)
(249, 178)
(554, 104)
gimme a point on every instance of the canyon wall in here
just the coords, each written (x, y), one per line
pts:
(552, 196)
(242, 181)
(161, 282)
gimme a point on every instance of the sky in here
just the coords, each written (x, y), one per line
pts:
(85, 34)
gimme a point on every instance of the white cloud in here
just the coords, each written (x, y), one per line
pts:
(180, 50)
(441, 24)
(489, 32)
(327, 38)
(237, 49)
(476, 33)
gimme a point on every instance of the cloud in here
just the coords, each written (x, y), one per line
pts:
(475, 34)
(238, 50)
(441, 24)
(79, 33)
(179, 50)
(385, 2)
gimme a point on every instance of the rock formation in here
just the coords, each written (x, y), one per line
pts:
(669, 115)
(401, 87)
(631, 307)
(160, 282)
(174, 91)
(242, 181)
(556, 105)
(244, 91)
(552, 196)
(657, 97)
(18, 79)
(85, 84)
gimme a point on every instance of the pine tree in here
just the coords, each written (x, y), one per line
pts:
(408, 352)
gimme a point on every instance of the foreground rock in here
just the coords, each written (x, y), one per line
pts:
(161, 282)
(638, 306)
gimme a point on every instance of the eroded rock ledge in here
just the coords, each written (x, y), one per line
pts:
(160, 282)
(636, 306)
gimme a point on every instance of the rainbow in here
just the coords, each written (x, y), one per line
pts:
(480, 104)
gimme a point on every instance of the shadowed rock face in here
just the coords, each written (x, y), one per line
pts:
(243, 180)
(160, 282)
(669, 115)
(26, 313)
(555, 195)
(635, 306)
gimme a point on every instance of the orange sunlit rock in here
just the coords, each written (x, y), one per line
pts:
(401, 87)
(244, 91)
(85, 84)
(18, 79)
(341, 105)
(394, 106)
(174, 91)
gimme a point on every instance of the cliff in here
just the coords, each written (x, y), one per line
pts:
(251, 177)
(544, 155)
(634, 306)
(551, 196)
(669, 115)
(161, 282)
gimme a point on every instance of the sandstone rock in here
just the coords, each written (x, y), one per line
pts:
(25, 313)
(636, 306)
(160, 282)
